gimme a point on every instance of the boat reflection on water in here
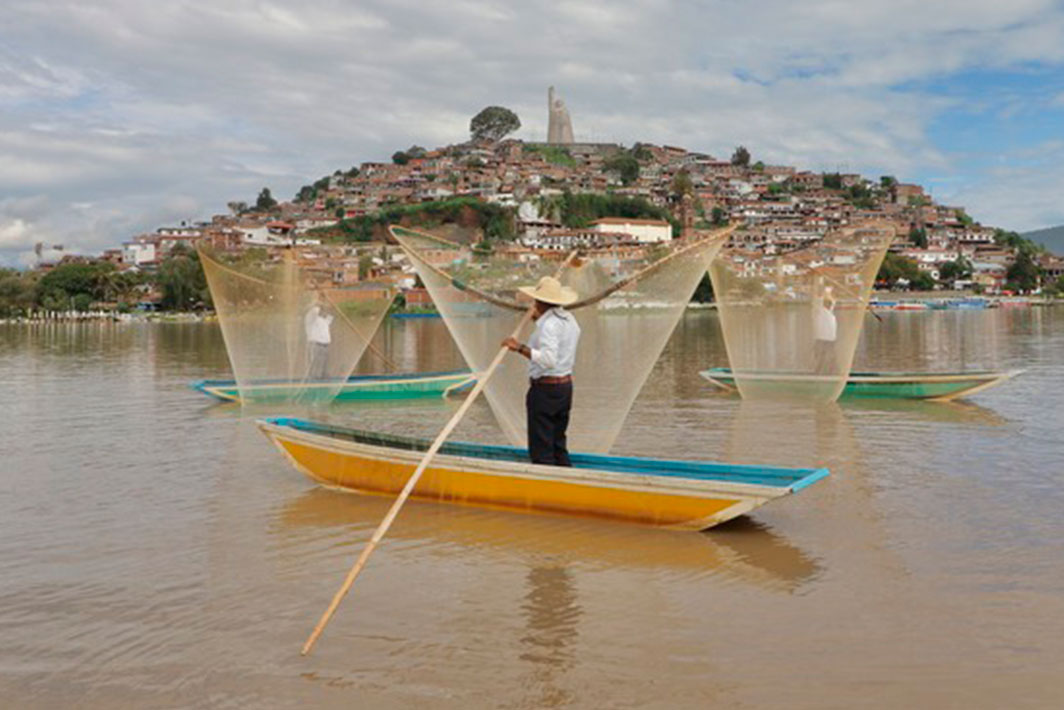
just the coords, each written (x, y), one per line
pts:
(790, 433)
(953, 412)
(416, 417)
(742, 550)
(823, 435)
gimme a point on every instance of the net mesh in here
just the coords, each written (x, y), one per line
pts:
(295, 324)
(791, 321)
(629, 301)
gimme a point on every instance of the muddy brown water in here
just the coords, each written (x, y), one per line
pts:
(156, 552)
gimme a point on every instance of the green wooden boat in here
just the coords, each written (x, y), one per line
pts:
(357, 387)
(940, 386)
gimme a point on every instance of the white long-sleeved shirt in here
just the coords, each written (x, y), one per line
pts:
(825, 325)
(553, 344)
(317, 326)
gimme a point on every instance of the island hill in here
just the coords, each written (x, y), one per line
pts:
(557, 195)
(549, 195)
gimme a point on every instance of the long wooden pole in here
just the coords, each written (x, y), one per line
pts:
(382, 529)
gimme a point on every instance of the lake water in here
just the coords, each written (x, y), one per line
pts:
(156, 552)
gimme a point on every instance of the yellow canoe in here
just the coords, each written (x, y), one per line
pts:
(691, 495)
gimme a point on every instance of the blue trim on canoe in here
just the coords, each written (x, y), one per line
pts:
(726, 373)
(809, 480)
(404, 316)
(202, 384)
(793, 479)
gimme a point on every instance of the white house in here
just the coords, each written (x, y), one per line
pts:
(138, 253)
(642, 230)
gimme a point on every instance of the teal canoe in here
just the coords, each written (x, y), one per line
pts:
(357, 387)
(940, 386)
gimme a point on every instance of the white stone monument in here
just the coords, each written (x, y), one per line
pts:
(559, 126)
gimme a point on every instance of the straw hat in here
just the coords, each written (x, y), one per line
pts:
(550, 290)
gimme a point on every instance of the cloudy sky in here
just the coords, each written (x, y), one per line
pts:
(118, 117)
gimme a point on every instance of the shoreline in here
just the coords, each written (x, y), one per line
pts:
(110, 317)
(880, 300)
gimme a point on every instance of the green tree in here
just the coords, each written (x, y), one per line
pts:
(860, 196)
(719, 216)
(759, 166)
(365, 264)
(888, 182)
(922, 281)
(126, 286)
(625, 165)
(18, 292)
(918, 236)
(488, 217)
(833, 181)
(641, 153)
(68, 281)
(741, 156)
(1014, 240)
(896, 267)
(1023, 274)
(182, 281)
(237, 208)
(493, 123)
(400, 157)
(681, 184)
(265, 201)
(959, 268)
(580, 210)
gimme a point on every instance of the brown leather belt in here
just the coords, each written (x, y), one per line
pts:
(553, 380)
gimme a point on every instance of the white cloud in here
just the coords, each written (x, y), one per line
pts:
(1021, 194)
(124, 104)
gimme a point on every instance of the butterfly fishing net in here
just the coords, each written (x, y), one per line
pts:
(791, 320)
(295, 324)
(629, 301)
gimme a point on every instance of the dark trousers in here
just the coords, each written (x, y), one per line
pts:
(547, 408)
(824, 357)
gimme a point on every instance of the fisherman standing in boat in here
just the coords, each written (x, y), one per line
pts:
(551, 351)
(825, 331)
(317, 324)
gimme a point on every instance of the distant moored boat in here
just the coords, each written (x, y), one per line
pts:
(899, 385)
(357, 387)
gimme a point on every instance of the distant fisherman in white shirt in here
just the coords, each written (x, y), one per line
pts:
(825, 331)
(317, 325)
(551, 352)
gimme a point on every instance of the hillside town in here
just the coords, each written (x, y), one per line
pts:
(519, 192)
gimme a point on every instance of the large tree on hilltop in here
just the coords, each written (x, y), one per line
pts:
(493, 123)
(265, 200)
(741, 156)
